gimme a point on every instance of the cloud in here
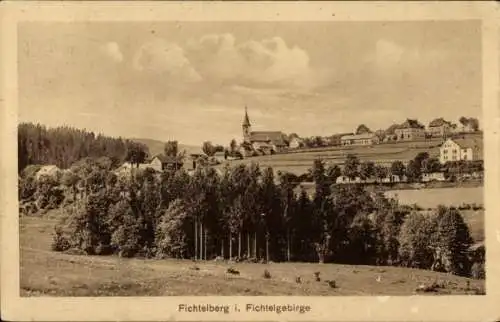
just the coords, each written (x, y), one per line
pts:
(252, 63)
(388, 53)
(112, 50)
(162, 57)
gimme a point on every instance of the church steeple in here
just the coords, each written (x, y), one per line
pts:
(246, 120)
(246, 127)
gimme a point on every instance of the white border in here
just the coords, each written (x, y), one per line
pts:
(395, 308)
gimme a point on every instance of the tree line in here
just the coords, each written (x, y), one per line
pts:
(245, 213)
(63, 146)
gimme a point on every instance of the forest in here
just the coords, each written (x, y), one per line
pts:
(243, 213)
(63, 146)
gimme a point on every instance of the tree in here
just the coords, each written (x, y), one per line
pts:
(232, 146)
(414, 242)
(172, 238)
(136, 153)
(380, 172)
(431, 165)
(362, 129)
(332, 173)
(451, 242)
(351, 166)
(125, 227)
(171, 148)
(413, 171)
(208, 148)
(367, 170)
(397, 168)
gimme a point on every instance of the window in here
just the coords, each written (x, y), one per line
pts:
(465, 156)
(445, 151)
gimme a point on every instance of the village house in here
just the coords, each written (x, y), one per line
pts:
(360, 139)
(162, 162)
(433, 176)
(220, 156)
(439, 128)
(296, 143)
(410, 130)
(267, 141)
(468, 149)
(336, 139)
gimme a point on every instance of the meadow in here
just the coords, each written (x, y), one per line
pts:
(299, 161)
(431, 198)
(47, 273)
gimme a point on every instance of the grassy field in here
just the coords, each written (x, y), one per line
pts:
(300, 161)
(431, 198)
(47, 273)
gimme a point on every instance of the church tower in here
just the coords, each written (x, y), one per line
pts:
(247, 128)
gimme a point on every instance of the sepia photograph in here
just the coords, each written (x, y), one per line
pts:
(226, 157)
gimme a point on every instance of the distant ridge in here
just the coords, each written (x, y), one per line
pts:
(157, 146)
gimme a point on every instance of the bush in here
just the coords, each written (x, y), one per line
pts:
(267, 274)
(478, 271)
(59, 242)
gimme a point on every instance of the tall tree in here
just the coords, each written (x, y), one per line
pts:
(367, 170)
(362, 129)
(171, 148)
(208, 148)
(397, 168)
(351, 166)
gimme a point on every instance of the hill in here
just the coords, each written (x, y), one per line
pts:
(47, 273)
(299, 161)
(156, 146)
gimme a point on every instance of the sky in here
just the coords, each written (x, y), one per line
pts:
(190, 81)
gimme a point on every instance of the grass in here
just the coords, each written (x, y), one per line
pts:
(431, 198)
(47, 273)
(298, 162)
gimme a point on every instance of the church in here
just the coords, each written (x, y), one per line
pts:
(267, 142)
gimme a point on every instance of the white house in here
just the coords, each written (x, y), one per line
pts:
(345, 179)
(433, 176)
(360, 139)
(467, 149)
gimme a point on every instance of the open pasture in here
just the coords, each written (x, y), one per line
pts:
(47, 273)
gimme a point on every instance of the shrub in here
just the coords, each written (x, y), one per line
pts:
(267, 274)
(478, 271)
(59, 242)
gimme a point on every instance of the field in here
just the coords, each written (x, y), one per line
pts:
(431, 198)
(300, 161)
(46, 273)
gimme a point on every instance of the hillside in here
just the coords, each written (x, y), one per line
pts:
(299, 161)
(156, 146)
(75, 275)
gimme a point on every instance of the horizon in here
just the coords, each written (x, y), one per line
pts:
(181, 80)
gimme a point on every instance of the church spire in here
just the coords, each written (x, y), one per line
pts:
(246, 120)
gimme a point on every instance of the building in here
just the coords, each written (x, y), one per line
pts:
(273, 141)
(439, 128)
(467, 149)
(296, 143)
(360, 139)
(336, 139)
(162, 162)
(410, 130)
(433, 176)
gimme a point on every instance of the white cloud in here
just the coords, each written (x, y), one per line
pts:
(388, 53)
(256, 62)
(112, 50)
(160, 56)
